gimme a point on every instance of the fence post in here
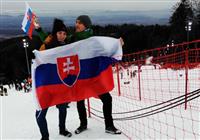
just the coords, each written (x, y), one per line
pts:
(139, 84)
(186, 76)
(118, 79)
(88, 103)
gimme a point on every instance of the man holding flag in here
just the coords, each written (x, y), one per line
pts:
(84, 31)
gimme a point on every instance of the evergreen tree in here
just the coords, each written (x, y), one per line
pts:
(196, 9)
(182, 13)
(197, 12)
(196, 21)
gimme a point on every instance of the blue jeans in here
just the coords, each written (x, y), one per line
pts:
(42, 122)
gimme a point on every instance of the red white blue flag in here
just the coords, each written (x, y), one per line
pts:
(74, 72)
(27, 23)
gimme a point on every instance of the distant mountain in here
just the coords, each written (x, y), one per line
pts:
(11, 25)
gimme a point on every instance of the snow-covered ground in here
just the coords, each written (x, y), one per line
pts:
(157, 85)
(18, 120)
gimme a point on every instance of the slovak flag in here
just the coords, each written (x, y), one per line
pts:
(74, 72)
(27, 23)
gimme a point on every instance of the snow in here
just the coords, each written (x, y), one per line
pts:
(18, 120)
(157, 85)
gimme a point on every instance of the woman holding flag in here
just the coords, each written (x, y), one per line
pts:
(56, 38)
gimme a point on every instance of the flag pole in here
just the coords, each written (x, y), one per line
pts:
(25, 43)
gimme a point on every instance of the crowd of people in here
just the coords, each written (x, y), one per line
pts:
(3, 91)
(18, 85)
(25, 85)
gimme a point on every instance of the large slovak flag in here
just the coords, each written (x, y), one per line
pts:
(74, 72)
(27, 23)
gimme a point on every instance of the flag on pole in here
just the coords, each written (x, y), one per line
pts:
(27, 23)
(74, 72)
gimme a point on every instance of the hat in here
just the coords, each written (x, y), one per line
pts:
(58, 25)
(85, 20)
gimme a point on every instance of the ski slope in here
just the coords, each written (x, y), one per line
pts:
(18, 121)
(158, 115)
(157, 85)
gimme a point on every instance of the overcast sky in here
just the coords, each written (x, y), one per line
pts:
(51, 7)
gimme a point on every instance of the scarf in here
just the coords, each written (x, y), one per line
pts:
(84, 34)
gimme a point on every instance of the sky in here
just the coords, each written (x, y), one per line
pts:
(57, 7)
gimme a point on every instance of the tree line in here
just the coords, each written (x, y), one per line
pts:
(136, 38)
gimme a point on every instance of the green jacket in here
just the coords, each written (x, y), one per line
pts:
(81, 35)
(43, 35)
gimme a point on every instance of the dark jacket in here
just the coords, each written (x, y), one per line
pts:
(49, 41)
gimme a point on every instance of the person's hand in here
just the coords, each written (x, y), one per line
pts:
(36, 23)
(121, 41)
